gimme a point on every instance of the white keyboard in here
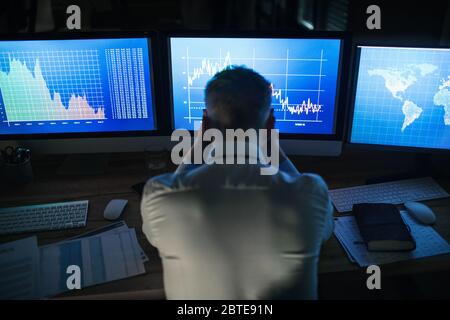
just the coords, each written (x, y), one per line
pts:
(52, 216)
(395, 192)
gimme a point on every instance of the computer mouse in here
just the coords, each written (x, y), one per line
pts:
(421, 212)
(114, 209)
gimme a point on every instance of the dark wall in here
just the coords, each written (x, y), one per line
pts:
(413, 22)
(418, 22)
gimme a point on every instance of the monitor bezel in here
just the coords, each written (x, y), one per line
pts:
(352, 98)
(153, 58)
(342, 79)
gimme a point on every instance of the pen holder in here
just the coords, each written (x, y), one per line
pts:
(13, 174)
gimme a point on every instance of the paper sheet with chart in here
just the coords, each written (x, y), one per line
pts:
(113, 228)
(102, 258)
(428, 242)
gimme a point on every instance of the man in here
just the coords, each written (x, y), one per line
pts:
(225, 231)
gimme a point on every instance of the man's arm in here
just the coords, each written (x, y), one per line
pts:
(188, 159)
(320, 203)
(153, 190)
(287, 166)
(328, 227)
(326, 209)
(146, 213)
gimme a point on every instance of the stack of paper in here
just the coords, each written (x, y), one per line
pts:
(19, 273)
(428, 242)
(104, 255)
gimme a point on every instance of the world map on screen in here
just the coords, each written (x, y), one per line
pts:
(399, 81)
(403, 97)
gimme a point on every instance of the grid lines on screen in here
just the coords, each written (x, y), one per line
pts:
(302, 73)
(400, 98)
(50, 80)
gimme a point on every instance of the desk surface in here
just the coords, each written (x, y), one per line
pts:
(127, 169)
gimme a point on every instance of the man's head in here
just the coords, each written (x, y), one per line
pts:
(238, 97)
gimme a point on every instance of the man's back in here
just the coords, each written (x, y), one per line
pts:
(228, 232)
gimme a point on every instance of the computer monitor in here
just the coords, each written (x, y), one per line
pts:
(402, 98)
(85, 87)
(305, 74)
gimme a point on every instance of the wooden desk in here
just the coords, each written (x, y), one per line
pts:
(338, 278)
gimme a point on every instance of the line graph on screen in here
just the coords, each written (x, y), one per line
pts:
(199, 69)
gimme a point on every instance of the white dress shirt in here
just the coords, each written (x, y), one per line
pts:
(228, 232)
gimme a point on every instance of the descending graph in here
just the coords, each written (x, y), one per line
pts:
(210, 68)
(302, 72)
(303, 108)
(85, 85)
(27, 97)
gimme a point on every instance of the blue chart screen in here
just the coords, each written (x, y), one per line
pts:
(66, 86)
(403, 97)
(303, 74)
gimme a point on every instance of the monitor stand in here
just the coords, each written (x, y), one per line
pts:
(422, 168)
(84, 164)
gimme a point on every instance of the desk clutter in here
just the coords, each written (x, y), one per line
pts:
(427, 242)
(29, 271)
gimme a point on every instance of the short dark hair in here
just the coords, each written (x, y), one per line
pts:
(238, 97)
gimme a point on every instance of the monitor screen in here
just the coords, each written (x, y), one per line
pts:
(303, 74)
(402, 97)
(74, 86)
